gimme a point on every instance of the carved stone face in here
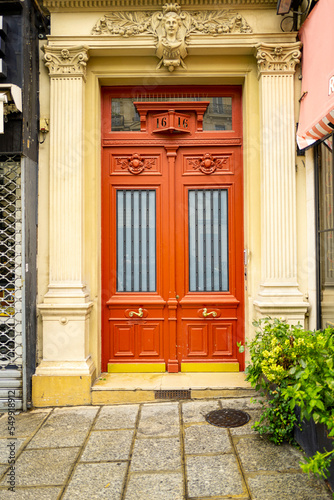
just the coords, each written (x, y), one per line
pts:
(171, 24)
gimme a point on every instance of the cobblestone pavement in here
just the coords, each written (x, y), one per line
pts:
(147, 451)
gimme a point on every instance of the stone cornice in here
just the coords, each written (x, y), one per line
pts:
(278, 58)
(69, 61)
(56, 5)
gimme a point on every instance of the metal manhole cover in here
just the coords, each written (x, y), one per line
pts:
(227, 418)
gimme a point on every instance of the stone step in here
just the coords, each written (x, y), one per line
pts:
(112, 388)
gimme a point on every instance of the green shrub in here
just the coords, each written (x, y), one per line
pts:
(293, 367)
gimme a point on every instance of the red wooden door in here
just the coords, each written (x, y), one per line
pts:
(172, 237)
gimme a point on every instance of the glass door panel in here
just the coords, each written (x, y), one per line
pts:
(136, 240)
(208, 240)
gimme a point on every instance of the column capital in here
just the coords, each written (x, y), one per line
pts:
(277, 58)
(66, 61)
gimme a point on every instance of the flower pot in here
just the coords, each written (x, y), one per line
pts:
(313, 437)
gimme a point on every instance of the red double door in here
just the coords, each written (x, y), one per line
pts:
(172, 242)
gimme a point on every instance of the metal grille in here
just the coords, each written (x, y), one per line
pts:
(208, 240)
(11, 244)
(173, 394)
(136, 248)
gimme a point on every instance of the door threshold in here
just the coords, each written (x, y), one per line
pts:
(112, 388)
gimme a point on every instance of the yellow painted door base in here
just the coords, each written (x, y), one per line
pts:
(136, 367)
(209, 367)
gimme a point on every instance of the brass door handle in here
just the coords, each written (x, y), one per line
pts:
(140, 313)
(205, 313)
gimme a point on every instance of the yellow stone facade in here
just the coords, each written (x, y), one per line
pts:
(74, 64)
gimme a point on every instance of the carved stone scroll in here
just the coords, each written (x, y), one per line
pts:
(171, 28)
(278, 58)
(69, 61)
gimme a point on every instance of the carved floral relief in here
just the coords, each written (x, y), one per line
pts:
(171, 28)
(135, 164)
(207, 164)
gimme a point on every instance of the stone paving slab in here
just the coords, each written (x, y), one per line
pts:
(241, 403)
(95, 481)
(150, 451)
(259, 454)
(247, 428)
(213, 476)
(206, 439)
(117, 417)
(159, 420)
(9, 449)
(156, 454)
(103, 446)
(3, 468)
(30, 494)
(65, 427)
(287, 487)
(24, 424)
(44, 467)
(195, 411)
(155, 487)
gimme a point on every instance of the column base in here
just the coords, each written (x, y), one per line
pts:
(284, 302)
(63, 383)
(66, 372)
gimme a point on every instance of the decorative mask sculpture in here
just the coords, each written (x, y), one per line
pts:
(171, 46)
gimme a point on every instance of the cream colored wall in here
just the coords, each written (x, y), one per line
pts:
(43, 202)
(125, 70)
(305, 220)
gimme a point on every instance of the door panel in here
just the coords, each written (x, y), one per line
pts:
(133, 201)
(209, 256)
(172, 246)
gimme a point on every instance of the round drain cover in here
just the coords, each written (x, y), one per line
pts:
(227, 418)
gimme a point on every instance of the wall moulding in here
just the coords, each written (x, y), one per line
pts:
(144, 45)
(70, 5)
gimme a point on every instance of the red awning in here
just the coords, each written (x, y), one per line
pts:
(316, 117)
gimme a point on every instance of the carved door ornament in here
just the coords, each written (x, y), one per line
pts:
(171, 29)
(170, 117)
(208, 164)
(135, 163)
(171, 121)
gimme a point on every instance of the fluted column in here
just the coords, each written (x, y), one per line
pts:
(67, 69)
(66, 306)
(279, 294)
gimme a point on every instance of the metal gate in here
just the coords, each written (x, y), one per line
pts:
(11, 285)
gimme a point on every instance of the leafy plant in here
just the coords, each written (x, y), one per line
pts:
(318, 464)
(277, 420)
(293, 367)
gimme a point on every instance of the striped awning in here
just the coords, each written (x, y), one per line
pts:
(316, 118)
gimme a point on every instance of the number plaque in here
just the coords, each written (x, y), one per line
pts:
(171, 121)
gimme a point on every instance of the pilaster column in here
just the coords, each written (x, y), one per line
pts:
(66, 307)
(279, 294)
